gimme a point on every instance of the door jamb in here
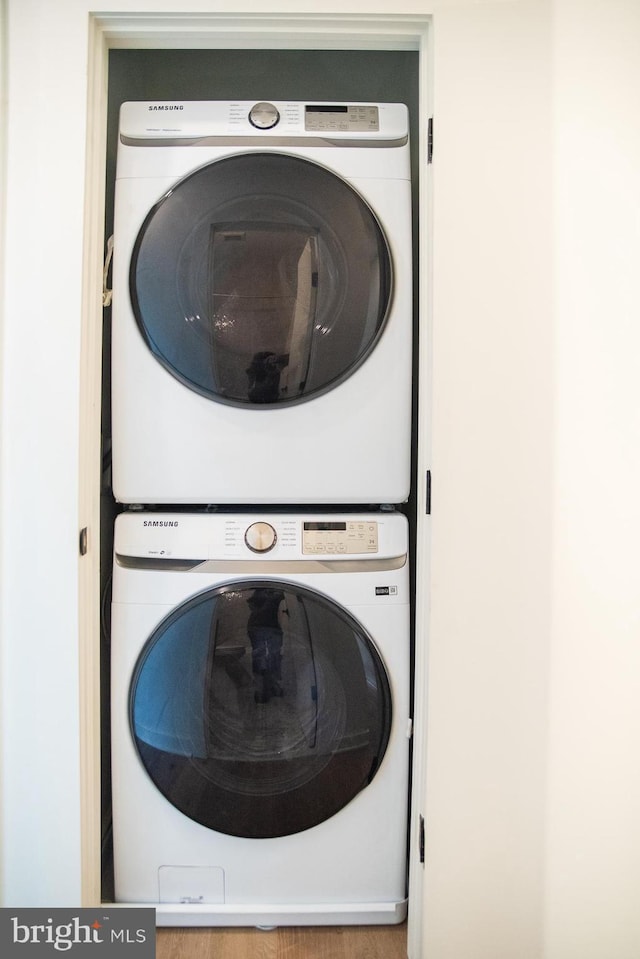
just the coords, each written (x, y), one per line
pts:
(275, 31)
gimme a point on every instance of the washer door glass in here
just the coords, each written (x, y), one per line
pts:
(260, 709)
(261, 279)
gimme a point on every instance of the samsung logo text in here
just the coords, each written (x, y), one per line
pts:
(160, 522)
(177, 106)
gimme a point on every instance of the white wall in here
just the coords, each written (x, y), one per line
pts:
(533, 832)
(39, 463)
(593, 843)
(492, 481)
(532, 781)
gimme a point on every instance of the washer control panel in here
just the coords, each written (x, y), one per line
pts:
(260, 537)
(327, 537)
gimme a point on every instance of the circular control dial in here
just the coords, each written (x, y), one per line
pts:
(260, 537)
(264, 116)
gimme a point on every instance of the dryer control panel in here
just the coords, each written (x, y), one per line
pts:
(202, 122)
(329, 118)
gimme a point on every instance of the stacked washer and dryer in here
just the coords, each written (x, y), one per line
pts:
(261, 391)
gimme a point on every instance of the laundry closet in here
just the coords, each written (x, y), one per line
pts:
(258, 502)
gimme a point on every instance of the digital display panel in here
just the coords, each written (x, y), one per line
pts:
(324, 527)
(338, 118)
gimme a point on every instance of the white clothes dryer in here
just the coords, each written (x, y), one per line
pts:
(262, 304)
(260, 717)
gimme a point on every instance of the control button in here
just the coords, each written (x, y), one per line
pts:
(260, 537)
(264, 116)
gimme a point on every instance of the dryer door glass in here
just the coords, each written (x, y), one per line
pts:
(261, 279)
(260, 709)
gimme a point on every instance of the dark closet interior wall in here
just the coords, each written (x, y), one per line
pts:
(311, 75)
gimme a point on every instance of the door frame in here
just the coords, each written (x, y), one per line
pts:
(354, 31)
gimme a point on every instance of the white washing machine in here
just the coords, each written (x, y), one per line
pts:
(260, 717)
(262, 304)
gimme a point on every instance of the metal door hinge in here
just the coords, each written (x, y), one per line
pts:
(428, 494)
(430, 141)
(83, 544)
(421, 840)
(106, 292)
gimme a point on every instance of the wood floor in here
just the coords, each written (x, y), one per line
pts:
(324, 942)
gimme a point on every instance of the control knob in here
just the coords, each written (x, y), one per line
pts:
(264, 116)
(260, 537)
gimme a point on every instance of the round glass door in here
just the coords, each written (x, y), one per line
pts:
(261, 280)
(260, 709)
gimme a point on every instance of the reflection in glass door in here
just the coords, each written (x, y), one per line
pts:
(260, 709)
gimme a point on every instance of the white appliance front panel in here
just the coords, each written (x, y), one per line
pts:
(349, 868)
(348, 445)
